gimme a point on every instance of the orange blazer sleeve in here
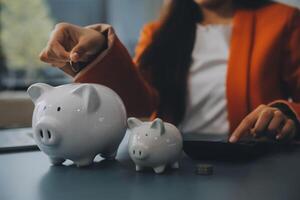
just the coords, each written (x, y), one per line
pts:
(115, 69)
(291, 69)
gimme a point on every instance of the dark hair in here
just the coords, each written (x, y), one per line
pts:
(168, 57)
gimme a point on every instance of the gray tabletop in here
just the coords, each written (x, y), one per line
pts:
(30, 176)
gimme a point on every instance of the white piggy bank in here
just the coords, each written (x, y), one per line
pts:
(77, 121)
(154, 144)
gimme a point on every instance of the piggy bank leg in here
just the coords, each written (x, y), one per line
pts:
(84, 162)
(56, 161)
(109, 156)
(138, 168)
(175, 165)
(159, 169)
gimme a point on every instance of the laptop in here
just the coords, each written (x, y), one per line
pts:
(17, 139)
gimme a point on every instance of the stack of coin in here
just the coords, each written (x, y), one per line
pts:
(204, 169)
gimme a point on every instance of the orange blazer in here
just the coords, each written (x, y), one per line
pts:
(263, 67)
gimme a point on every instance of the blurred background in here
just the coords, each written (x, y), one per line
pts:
(24, 30)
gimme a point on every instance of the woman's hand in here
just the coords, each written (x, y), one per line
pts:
(69, 42)
(265, 119)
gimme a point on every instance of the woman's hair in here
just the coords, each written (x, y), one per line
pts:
(168, 57)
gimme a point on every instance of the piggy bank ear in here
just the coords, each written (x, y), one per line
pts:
(90, 97)
(158, 124)
(38, 89)
(133, 122)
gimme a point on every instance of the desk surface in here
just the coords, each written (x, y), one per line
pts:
(29, 175)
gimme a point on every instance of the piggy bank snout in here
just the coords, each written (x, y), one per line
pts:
(46, 133)
(139, 152)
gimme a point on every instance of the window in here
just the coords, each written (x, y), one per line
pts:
(25, 28)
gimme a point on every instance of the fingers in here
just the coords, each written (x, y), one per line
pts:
(79, 52)
(88, 46)
(59, 51)
(82, 43)
(74, 56)
(265, 119)
(58, 64)
(82, 52)
(246, 125)
(55, 54)
(55, 63)
(288, 130)
(277, 121)
(243, 129)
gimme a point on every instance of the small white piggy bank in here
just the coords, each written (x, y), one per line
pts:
(154, 144)
(77, 121)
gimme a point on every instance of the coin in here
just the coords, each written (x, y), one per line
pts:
(204, 169)
(74, 66)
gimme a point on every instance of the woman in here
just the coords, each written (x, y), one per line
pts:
(208, 66)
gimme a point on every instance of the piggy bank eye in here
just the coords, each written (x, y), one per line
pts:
(58, 109)
(146, 134)
(44, 108)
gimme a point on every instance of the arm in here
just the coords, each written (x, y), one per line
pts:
(291, 71)
(114, 68)
(282, 117)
